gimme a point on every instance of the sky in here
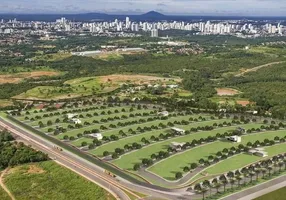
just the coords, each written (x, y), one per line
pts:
(175, 7)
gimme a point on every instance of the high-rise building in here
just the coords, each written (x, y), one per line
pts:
(154, 33)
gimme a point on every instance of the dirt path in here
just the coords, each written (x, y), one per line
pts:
(258, 67)
(4, 186)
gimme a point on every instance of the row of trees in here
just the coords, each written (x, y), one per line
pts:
(238, 179)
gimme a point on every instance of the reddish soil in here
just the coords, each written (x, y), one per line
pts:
(137, 79)
(226, 92)
(243, 103)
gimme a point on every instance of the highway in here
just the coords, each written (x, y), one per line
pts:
(116, 186)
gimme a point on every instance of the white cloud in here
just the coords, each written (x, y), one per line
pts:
(190, 7)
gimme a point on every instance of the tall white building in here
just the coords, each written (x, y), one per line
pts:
(154, 33)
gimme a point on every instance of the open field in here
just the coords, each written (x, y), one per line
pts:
(275, 195)
(47, 180)
(18, 77)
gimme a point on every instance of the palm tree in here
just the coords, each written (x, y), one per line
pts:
(263, 171)
(251, 174)
(269, 168)
(238, 178)
(257, 172)
(207, 184)
(203, 191)
(217, 186)
(232, 182)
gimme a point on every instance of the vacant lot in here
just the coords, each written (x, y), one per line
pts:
(18, 77)
(135, 79)
(47, 180)
(226, 91)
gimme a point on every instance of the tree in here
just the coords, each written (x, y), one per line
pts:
(179, 175)
(217, 186)
(203, 191)
(136, 167)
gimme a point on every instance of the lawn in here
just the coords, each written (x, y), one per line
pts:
(242, 160)
(168, 167)
(4, 195)
(47, 180)
(127, 161)
(275, 195)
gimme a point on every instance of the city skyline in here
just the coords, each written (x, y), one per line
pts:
(168, 7)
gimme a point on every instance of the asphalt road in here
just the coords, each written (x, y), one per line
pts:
(115, 186)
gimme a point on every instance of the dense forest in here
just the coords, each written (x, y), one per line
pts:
(13, 153)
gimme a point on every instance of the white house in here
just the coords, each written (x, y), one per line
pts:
(258, 152)
(76, 121)
(234, 139)
(164, 113)
(71, 115)
(177, 145)
(96, 135)
(178, 130)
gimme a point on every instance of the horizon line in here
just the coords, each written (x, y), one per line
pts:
(142, 13)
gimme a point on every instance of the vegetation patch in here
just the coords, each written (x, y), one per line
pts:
(18, 77)
(56, 183)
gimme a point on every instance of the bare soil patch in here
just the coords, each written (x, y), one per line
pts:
(226, 92)
(243, 103)
(33, 169)
(137, 79)
(18, 77)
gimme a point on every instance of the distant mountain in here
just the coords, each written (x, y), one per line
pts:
(153, 14)
(149, 16)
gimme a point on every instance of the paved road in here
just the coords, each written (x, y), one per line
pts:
(92, 172)
(258, 190)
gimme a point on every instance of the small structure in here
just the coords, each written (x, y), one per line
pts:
(172, 86)
(96, 135)
(178, 130)
(177, 145)
(258, 152)
(234, 139)
(71, 115)
(164, 113)
(76, 121)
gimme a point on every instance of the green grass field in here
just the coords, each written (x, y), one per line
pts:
(137, 156)
(47, 180)
(168, 167)
(3, 195)
(275, 195)
(242, 160)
